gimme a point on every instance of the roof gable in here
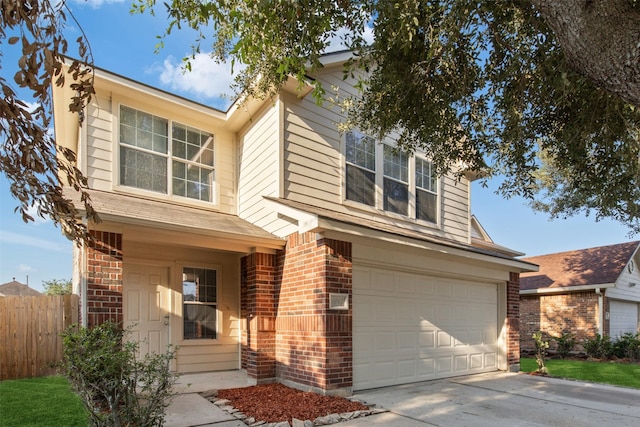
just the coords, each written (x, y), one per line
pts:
(586, 267)
(15, 288)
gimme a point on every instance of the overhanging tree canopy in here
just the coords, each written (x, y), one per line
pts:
(544, 93)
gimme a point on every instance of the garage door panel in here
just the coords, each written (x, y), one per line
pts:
(447, 327)
(623, 317)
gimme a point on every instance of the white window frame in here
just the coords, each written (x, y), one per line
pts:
(213, 203)
(219, 327)
(379, 186)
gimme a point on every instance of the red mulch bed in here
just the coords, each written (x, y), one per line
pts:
(276, 402)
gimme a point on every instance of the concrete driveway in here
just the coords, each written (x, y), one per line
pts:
(502, 399)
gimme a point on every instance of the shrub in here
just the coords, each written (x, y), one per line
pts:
(116, 387)
(565, 343)
(628, 345)
(598, 347)
(541, 352)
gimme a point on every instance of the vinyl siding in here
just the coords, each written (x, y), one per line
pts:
(259, 171)
(100, 144)
(623, 291)
(314, 166)
(99, 147)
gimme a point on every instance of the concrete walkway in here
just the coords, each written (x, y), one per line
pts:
(495, 399)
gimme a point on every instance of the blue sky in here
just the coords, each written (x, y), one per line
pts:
(125, 44)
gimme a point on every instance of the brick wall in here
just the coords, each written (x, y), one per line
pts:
(314, 343)
(257, 309)
(554, 314)
(291, 335)
(104, 278)
(513, 322)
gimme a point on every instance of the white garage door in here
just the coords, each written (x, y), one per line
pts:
(623, 317)
(410, 327)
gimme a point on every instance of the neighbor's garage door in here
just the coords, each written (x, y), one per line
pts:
(411, 327)
(623, 317)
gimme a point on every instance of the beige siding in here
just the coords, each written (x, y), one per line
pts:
(622, 290)
(259, 171)
(198, 355)
(100, 148)
(99, 144)
(314, 166)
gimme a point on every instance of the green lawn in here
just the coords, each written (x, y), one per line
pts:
(46, 401)
(622, 374)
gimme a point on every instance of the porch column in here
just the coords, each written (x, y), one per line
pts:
(257, 308)
(314, 341)
(104, 278)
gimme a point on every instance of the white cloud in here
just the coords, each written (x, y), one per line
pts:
(24, 268)
(206, 80)
(35, 242)
(37, 219)
(336, 42)
(97, 3)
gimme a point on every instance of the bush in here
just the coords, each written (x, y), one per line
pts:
(598, 347)
(116, 387)
(565, 344)
(627, 346)
(541, 352)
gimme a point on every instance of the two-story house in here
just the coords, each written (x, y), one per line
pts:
(263, 238)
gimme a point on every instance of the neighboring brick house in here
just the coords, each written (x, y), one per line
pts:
(588, 291)
(263, 238)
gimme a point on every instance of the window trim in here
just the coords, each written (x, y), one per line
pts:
(180, 266)
(378, 207)
(117, 187)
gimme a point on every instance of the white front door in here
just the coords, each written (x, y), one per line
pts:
(147, 306)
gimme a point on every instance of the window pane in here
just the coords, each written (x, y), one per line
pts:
(199, 286)
(396, 196)
(199, 321)
(424, 175)
(426, 205)
(197, 145)
(143, 170)
(361, 185)
(199, 282)
(361, 150)
(192, 181)
(396, 164)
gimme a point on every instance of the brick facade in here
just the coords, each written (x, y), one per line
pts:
(554, 314)
(104, 278)
(312, 343)
(257, 309)
(513, 322)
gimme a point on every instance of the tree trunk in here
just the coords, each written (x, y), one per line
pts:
(601, 40)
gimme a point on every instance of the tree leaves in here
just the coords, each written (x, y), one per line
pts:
(29, 156)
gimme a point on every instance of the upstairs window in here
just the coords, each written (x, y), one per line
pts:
(382, 177)
(199, 303)
(396, 181)
(361, 168)
(426, 191)
(152, 149)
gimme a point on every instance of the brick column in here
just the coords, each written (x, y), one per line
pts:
(104, 278)
(513, 322)
(257, 310)
(314, 343)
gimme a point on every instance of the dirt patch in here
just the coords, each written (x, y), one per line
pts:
(276, 402)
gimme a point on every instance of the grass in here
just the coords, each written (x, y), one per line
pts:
(46, 401)
(620, 374)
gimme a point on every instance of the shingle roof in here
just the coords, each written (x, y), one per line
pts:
(15, 288)
(594, 266)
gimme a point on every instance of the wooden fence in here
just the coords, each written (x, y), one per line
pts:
(30, 328)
